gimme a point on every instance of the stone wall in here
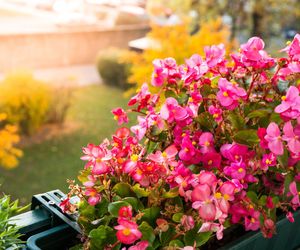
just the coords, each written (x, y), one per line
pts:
(62, 48)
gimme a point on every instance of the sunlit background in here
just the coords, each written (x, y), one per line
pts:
(64, 64)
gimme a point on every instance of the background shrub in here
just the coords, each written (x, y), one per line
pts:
(9, 154)
(25, 100)
(112, 67)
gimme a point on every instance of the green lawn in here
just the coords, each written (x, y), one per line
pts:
(46, 166)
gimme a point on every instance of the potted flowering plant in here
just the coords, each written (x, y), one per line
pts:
(217, 144)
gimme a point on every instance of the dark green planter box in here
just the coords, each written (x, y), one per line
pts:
(46, 227)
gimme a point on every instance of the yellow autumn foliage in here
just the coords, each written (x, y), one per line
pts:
(9, 154)
(177, 42)
(25, 100)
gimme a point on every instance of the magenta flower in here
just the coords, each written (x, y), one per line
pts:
(188, 150)
(214, 54)
(167, 157)
(120, 115)
(212, 227)
(293, 49)
(142, 97)
(127, 232)
(172, 111)
(236, 170)
(94, 196)
(206, 141)
(216, 113)
(253, 49)
(142, 245)
(252, 223)
(229, 94)
(125, 212)
(295, 193)
(234, 152)
(267, 161)
(196, 68)
(261, 133)
(292, 137)
(211, 160)
(290, 105)
(98, 157)
(273, 137)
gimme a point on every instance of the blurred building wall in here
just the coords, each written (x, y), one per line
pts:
(62, 48)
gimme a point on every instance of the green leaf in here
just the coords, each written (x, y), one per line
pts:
(253, 196)
(182, 98)
(287, 181)
(262, 200)
(192, 236)
(247, 137)
(101, 237)
(283, 159)
(171, 193)
(101, 208)
(259, 113)
(275, 117)
(114, 207)
(151, 146)
(236, 120)
(139, 191)
(123, 190)
(165, 237)
(176, 243)
(134, 202)
(177, 217)
(150, 215)
(147, 231)
(206, 121)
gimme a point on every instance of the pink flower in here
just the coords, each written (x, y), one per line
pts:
(142, 97)
(142, 245)
(290, 217)
(290, 105)
(252, 223)
(164, 70)
(120, 115)
(94, 196)
(292, 137)
(125, 212)
(166, 157)
(293, 49)
(267, 161)
(188, 150)
(274, 139)
(216, 113)
(206, 141)
(236, 170)
(187, 222)
(253, 49)
(293, 191)
(211, 160)
(196, 68)
(172, 111)
(229, 94)
(234, 152)
(128, 231)
(212, 227)
(214, 54)
(98, 157)
(261, 133)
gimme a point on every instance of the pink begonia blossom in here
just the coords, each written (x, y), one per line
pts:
(142, 97)
(228, 189)
(290, 105)
(120, 115)
(261, 133)
(97, 157)
(234, 152)
(142, 245)
(207, 177)
(290, 217)
(236, 170)
(274, 139)
(293, 49)
(91, 181)
(229, 94)
(295, 193)
(196, 68)
(292, 137)
(94, 196)
(172, 111)
(216, 113)
(166, 157)
(127, 232)
(212, 227)
(187, 222)
(211, 160)
(188, 151)
(125, 212)
(214, 54)
(206, 141)
(252, 223)
(267, 161)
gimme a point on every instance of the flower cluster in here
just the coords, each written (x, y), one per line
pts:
(218, 144)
